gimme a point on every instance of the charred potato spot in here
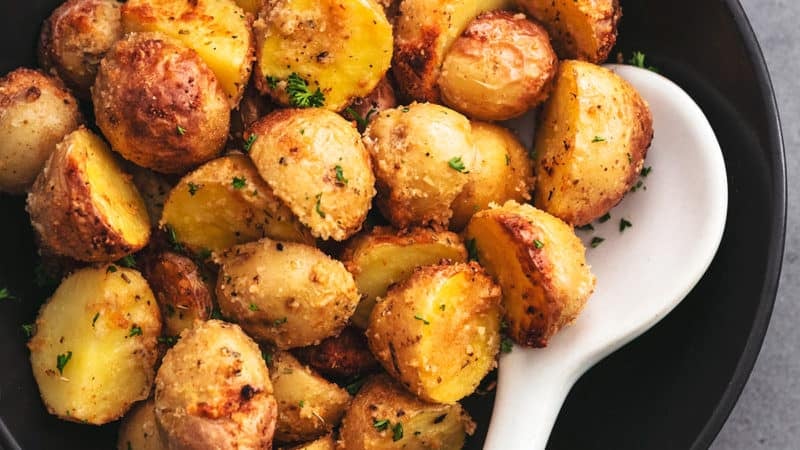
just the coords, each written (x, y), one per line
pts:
(344, 356)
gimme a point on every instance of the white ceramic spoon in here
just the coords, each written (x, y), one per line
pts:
(642, 273)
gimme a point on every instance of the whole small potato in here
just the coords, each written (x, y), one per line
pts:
(36, 112)
(159, 105)
(500, 67)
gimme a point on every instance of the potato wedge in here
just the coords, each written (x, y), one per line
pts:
(590, 144)
(540, 264)
(94, 351)
(344, 356)
(139, 429)
(384, 256)
(438, 332)
(341, 47)
(84, 206)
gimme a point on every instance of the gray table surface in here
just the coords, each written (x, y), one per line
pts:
(767, 415)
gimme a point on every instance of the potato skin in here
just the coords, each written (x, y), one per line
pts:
(76, 37)
(139, 429)
(213, 391)
(344, 356)
(159, 104)
(590, 144)
(36, 112)
(499, 68)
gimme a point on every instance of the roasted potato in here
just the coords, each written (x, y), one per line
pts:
(308, 405)
(590, 143)
(225, 202)
(315, 162)
(324, 443)
(438, 332)
(384, 256)
(504, 172)
(540, 264)
(139, 430)
(94, 351)
(283, 293)
(75, 38)
(344, 356)
(424, 31)
(384, 416)
(217, 30)
(36, 112)
(362, 109)
(159, 105)
(499, 68)
(421, 154)
(84, 206)
(338, 48)
(154, 188)
(579, 29)
(213, 391)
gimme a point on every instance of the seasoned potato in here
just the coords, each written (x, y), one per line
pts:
(421, 154)
(424, 32)
(213, 391)
(590, 144)
(84, 206)
(344, 356)
(75, 38)
(384, 416)
(94, 351)
(225, 202)
(383, 257)
(362, 109)
(154, 188)
(540, 265)
(504, 172)
(139, 430)
(36, 112)
(580, 29)
(308, 405)
(180, 289)
(499, 68)
(324, 443)
(315, 162)
(341, 48)
(287, 294)
(439, 331)
(217, 30)
(159, 105)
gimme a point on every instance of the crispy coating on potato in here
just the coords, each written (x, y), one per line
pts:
(590, 144)
(499, 68)
(84, 206)
(540, 264)
(36, 112)
(213, 391)
(75, 38)
(159, 105)
(139, 431)
(344, 356)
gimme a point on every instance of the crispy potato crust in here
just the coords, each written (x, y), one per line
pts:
(344, 356)
(139, 431)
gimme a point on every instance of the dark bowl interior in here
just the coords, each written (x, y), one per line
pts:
(671, 388)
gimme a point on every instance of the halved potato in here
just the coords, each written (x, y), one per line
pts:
(139, 430)
(94, 351)
(84, 206)
(540, 264)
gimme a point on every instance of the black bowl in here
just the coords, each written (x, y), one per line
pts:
(671, 388)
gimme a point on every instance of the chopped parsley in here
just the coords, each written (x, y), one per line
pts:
(193, 188)
(204, 254)
(646, 171)
(267, 357)
(272, 82)
(340, 174)
(278, 322)
(508, 159)
(127, 261)
(168, 340)
(472, 249)
(301, 403)
(606, 217)
(537, 243)
(422, 319)
(506, 345)
(587, 227)
(638, 60)
(598, 139)
(397, 432)
(172, 237)
(111, 269)
(380, 425)
(317, 207)
(253, 307)
(299, 94)
(29, 329)
(249, 142)
(5, 295)
(355, 386)
(639, 185)
(457, 164)
(405, 109)
(136, 330)
(94, 319)
(361, 121)
(181, 130)
(623, 224)
(62, 360)
(596, 241)
(239, 182)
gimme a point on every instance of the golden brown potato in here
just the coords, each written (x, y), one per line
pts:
(344, 356)
(94, 351)
(36, 112)
(504, 172)
(159, 105)
(421, 155)
(540, 265)
(75, 38)
(84, 206)
(225, 202)
(579, 29)
(384, 416)
(438, 332)
(154, 188)
(324, 443)
(499, 68)
(363, 109)
(424, 31)
(339, 48)
(213, 391)
(384, 256)
(315, 162)
(139, 430)
(287, 294)
(590, 144)
(217, 30)
(308, 405)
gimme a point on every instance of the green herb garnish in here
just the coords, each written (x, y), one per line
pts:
(136, 330)
(272, 82)
(318, 206)
(29, 329)
(181, 130)
(646, 171)
(587, 227)
(279, 322)
(380, 425)
(596, 241)
(360, 121)
(506, 345)
(606, 217)
(422, 319)
(127, 261)
(5, 295)
(457, 164)
(472, 249)
(239, 182)
(623, 223)
(340, 174)
(249, 142)
(397, 432)
(62, 360)
(193, 188)
(253, 307)
(598, 139)
(537, 243)
(299, 94)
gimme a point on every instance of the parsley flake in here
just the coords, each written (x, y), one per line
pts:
(62, 360)
(317, 207)
(168, 340)
(587, 227)
(127, 261)
(646, 171)
(598, 139)
(181, 130)
(360, 121)
(267, 357)
(29, 329)
(249, 142)
(340, 174)
(638, 60)
(623, 224)
(5, 295)
(422, 319)
(136, 330)
(193, 188)
(457, 164)
(253, 307)
(272, 82)
(299, 94)
(506, 345)
(605, 218)
(239, 183)
(380, 425)
(537, 243)
(279, 322)
(172, 237)
(204, 254)
(355, 386)
(301, 403)
(596, 241)
(397, 432)
(508, 159)
(472, 249)
(111, 269)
